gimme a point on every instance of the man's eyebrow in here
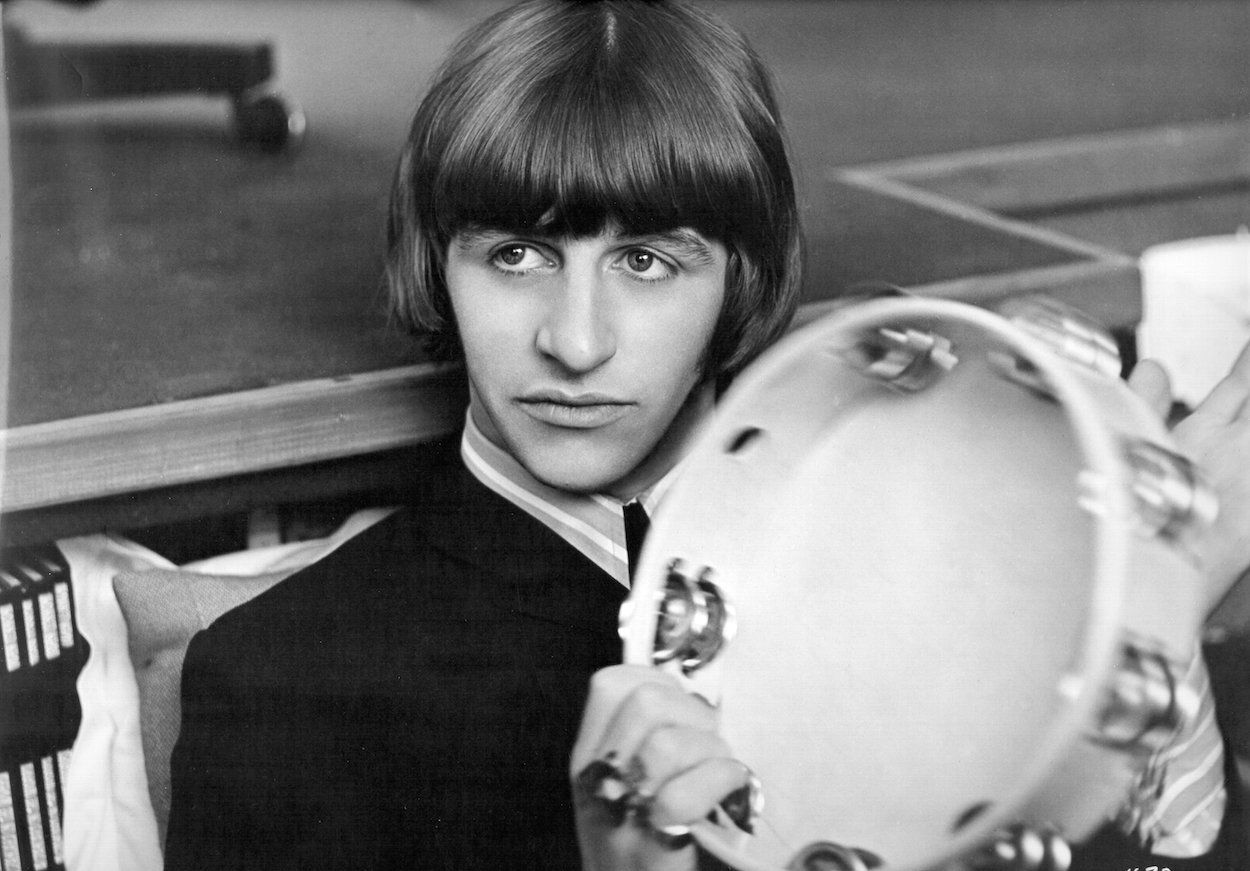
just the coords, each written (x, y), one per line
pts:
(467, 237)
(474, 234)
(687, 242)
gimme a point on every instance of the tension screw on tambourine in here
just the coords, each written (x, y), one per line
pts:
(694, 619)
(1168, 492)
(907, 358)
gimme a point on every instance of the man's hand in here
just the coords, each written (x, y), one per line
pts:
(1216, 436)
(647, 762)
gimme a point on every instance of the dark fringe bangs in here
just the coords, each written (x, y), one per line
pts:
(567, 157)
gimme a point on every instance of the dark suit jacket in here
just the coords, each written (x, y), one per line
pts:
(409, 701)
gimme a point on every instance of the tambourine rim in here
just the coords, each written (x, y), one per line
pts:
(1099, 454)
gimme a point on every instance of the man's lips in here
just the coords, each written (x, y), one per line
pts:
(577, 411)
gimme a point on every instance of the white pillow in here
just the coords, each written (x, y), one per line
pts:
(109, 824)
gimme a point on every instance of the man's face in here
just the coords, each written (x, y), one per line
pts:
(583, 354)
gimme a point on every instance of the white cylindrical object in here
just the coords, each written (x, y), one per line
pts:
(1196, 299)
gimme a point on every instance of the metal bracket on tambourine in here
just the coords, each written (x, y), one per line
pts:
(906, 358)
(1070, 333)
(1170, 495)
(1144, 705)
(1067, 332)
(694, 618)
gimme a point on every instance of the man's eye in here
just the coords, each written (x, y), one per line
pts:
(518, 258)
(644, 264)
(639, 261)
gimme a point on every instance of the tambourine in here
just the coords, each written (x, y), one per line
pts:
(933, 565)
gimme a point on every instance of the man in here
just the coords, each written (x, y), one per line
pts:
(594, 208)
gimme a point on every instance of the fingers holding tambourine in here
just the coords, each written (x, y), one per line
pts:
(647, 762)
(626, 703)
(1216, 436)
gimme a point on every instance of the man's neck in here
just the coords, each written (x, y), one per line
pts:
(591, 523)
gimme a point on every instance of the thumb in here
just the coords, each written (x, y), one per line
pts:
(1150, 381)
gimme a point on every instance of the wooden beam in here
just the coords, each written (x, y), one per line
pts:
(194, 440)
(359, 481)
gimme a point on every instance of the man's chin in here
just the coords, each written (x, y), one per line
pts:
(584, 477)
(572, 482)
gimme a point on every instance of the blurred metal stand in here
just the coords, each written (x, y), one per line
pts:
(47, 73)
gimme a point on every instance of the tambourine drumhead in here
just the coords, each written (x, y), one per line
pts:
(926, 605)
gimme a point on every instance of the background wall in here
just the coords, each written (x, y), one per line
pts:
(861, 80)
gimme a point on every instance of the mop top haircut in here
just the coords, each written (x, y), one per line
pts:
(561, 118)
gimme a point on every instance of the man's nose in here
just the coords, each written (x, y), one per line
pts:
(577, 330)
